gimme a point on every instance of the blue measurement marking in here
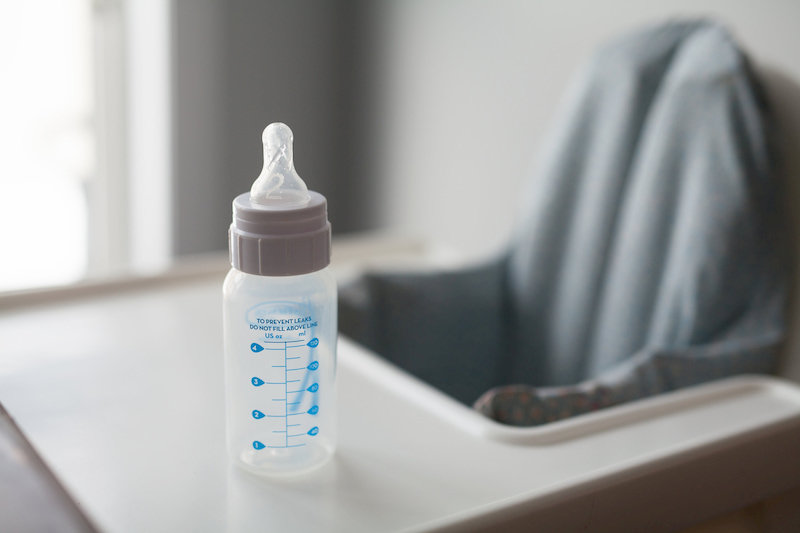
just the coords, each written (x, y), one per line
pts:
(313, 388)
(285, 394)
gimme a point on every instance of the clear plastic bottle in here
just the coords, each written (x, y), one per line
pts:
(280, 321)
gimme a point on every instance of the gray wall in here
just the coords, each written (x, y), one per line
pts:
(419, 115)
(468, 89)
(241, 64)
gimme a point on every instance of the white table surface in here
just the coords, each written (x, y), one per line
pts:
(121, 391)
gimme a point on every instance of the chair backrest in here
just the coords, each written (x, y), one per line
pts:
(652, 220)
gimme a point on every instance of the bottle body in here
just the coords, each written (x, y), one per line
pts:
(280, 369)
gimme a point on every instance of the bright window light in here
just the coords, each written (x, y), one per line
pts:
(46, 142)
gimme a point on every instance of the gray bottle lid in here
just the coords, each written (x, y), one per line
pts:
(279, 228)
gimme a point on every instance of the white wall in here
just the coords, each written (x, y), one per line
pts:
(466, 90)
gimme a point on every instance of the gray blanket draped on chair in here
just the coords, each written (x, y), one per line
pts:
(649, 253)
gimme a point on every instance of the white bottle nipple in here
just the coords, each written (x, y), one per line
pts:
(279, 186)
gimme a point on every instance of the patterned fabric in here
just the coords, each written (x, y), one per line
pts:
(649, 255)
(646, 374)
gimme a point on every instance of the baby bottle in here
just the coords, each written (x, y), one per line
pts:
(279, 308)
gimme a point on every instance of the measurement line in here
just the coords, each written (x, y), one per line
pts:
(273, 383)
(279, 399)
(295, 414)
(290, 425)
(293, 403)
(279, 431)
(297, 435)
(276, 416)
(292, 380)
(278, 366)
(285, 395)
(293, 391)
(293, 369)
(297, 357)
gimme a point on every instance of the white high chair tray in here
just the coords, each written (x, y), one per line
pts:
(120, 389)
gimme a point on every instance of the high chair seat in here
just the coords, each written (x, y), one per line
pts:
(649, 254)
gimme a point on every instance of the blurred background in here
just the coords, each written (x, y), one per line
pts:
(129, 125)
